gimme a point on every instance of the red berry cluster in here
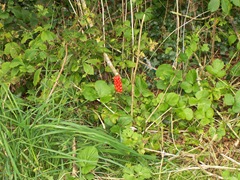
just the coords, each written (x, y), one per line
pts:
(117, 83)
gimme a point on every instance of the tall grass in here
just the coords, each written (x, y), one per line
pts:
(36, 139)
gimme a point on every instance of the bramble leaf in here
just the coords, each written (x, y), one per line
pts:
(213, 5)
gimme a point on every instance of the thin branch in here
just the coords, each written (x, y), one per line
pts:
(136, 66)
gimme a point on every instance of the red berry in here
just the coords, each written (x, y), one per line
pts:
(117, 83)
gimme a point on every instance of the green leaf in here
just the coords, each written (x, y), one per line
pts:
(5, 67)
(88, 69)
(236, 108)
(36, 77)
(218, 64)
(226, 6)
(205, 121)
(205, 48)
(16, 62)
(89, 93)
(232, 39)
(83, 37)
(209, 113)
(31, 54)
(199, 114)
(191, 76)
(235, 71)
(236, 2)
(237, 97)
(216, 68)
(139, 15)
(102, 88)
(162, 84)
(213, 5)
(13, 49)
(47, 36)
(228, 99)
(186, 86)
(202, 94)
(188, 113)
(87, 159)
(164, 71)
(172, 99)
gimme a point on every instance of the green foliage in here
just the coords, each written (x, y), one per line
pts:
(226, 5)
(87, 159)
(216, 69)
(136, 172)
(56, 87)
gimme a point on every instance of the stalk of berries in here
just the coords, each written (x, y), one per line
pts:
(117, 78)
(117, 83)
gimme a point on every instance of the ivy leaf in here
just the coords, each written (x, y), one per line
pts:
(88, 159)
(213, 5)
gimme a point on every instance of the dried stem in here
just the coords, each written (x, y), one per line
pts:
(136, 66)
(60, 72)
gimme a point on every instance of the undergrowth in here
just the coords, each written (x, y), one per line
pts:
(120, 90)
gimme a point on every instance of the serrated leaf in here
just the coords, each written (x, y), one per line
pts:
(164, 71)
(191, 76)
(218, 64)
(205, 48)
(36, 77)
(213, 5)
(236, 2)
(47, 35)
(89, 93)
(12, 48)
(16, 62)
(216, 68)
(102, 88)
(30, 54)
(88, 69)
(88, 159)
